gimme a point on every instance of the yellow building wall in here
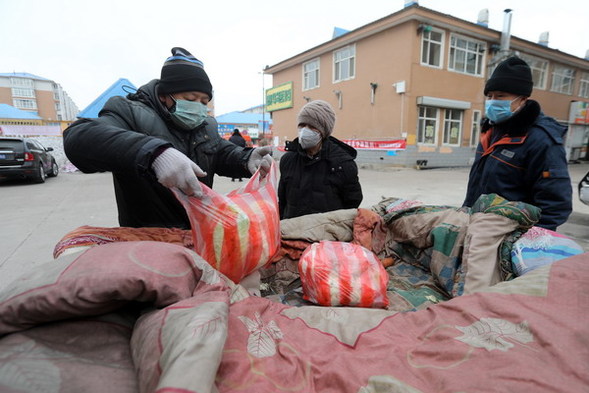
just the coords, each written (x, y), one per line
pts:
(46, 105)
(357, 117)
(6, 95)
(377, 61)
(45, 102)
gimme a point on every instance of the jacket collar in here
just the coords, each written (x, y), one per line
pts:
(295, 146)
(504, 140)
(148, 95)
(332, 150)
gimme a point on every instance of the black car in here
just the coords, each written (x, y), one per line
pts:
(26, 158)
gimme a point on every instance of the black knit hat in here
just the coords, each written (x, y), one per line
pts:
(184, 72)
(511, 76)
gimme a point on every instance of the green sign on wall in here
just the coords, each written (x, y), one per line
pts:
(279, 97)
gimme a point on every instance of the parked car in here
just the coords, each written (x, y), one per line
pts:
(584, 189)
(26, 158)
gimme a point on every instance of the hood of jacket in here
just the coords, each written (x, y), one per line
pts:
(147, 94)
(553, 128)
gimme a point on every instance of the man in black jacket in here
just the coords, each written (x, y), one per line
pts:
(521, 154)
(158, 138)
(318, 173)
(237, 139)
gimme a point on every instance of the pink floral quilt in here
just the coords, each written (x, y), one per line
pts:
(154, 317)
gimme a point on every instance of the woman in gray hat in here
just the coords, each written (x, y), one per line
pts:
(318, 173)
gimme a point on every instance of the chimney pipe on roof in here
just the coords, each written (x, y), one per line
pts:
(483, 19)
(506, 33)
(543, 40)
(587, 55)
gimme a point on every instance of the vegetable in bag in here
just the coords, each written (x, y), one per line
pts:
(343, 274)
(236, 233)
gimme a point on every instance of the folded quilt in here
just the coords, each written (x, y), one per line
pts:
(90, 236)
(154, 317)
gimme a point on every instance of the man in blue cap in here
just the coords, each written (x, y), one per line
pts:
(160, 137)
(521, 156)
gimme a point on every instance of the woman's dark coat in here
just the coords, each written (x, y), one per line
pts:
(329, 181)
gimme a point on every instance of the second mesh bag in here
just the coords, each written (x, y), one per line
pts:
(343, 274)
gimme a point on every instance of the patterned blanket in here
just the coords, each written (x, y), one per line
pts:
(430, 252)
(148, 316)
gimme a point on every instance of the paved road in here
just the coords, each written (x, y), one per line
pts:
(34, 217)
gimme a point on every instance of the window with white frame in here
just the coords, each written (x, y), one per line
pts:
(24, 104)
(584, 85)
(427, 125)
(431, 48)
(452, 127)
(22, 92)
(21, 82)
(563, 79)
(311, 74)
(475, 133)
(344, 63)
(466, 55)
(539, 69)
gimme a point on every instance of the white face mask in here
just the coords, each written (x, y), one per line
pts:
(308, 138)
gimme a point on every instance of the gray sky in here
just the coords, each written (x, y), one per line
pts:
(87, 45)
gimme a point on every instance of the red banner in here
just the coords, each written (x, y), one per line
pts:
(393, 144)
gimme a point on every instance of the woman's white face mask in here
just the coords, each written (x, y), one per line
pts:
(308, 138)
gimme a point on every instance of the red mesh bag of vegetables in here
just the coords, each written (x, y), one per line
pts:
(239, 232)
(343, 274)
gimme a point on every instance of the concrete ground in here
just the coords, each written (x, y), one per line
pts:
(34, 217)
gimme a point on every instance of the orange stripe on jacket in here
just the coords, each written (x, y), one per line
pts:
(505, 140)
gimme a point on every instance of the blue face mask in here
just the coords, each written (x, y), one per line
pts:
(498, 111)
(188, 114)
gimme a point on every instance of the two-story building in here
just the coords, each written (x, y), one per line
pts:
(414, 79)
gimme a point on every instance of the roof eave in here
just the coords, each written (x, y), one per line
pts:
(419, 14)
